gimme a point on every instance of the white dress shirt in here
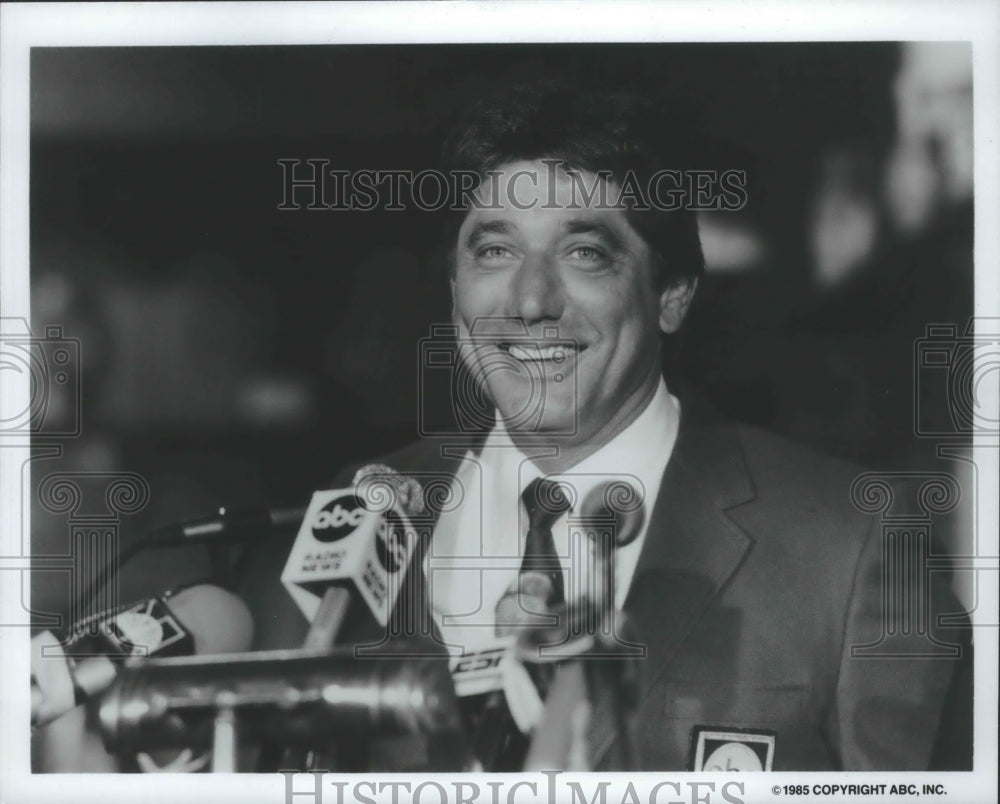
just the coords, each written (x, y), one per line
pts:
(476, 550)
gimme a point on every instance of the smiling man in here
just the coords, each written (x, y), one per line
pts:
(753, 582)
(752, 579)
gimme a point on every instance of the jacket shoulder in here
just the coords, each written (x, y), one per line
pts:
(800, 481)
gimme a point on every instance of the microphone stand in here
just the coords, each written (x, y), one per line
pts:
(224, 739)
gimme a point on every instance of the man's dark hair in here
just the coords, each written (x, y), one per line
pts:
(590, 130)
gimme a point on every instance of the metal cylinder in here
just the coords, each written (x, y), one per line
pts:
(293, 697)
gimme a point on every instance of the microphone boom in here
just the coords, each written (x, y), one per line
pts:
(297, 697)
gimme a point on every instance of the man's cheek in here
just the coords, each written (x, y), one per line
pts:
(465, 312)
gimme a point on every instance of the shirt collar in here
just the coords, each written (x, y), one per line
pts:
(637, 450)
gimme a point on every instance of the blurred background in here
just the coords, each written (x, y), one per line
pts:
(236, 354)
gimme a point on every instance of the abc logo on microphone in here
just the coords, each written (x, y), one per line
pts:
(338, 518)
(345, 543)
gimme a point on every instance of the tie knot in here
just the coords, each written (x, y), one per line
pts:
(545, 501)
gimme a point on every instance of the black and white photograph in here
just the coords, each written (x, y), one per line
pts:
(454, 401)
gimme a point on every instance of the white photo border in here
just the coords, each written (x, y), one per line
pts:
(23, 26)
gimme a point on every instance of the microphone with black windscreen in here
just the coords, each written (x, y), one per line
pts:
(198, 619)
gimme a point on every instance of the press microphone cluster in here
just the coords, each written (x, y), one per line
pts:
(352, 551)
(85, 662)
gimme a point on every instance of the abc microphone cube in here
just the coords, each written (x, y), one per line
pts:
(353, 543)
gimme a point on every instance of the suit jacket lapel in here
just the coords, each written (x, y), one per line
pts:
(692, 548)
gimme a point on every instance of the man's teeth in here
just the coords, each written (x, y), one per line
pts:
(533, 352)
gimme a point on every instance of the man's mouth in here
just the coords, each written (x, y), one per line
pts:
(541, 353)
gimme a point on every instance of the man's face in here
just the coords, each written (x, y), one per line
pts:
(569, 266)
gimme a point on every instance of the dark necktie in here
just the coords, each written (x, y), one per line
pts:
(545, 501)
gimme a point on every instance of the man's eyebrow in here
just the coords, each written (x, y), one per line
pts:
(601, 230)
(480, 230)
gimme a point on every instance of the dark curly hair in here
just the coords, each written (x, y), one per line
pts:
(586, 129)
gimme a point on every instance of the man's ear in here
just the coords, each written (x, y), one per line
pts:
(674, 303)
(451, 284)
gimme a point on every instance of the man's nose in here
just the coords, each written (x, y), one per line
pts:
(537, 292)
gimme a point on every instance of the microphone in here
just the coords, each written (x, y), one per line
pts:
(502, 698)
(301, 698)
(484, 671)
(353, 543)
(196, 619)
(589, 664)
(612, 515)
(243, 525)
(256, 523)
(513, 616)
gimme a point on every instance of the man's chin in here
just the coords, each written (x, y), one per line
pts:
(546, 426)
(525, 412)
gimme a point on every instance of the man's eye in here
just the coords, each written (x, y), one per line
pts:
(588, 254)
(494, 252)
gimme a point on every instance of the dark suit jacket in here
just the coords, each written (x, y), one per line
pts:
(757, 588)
